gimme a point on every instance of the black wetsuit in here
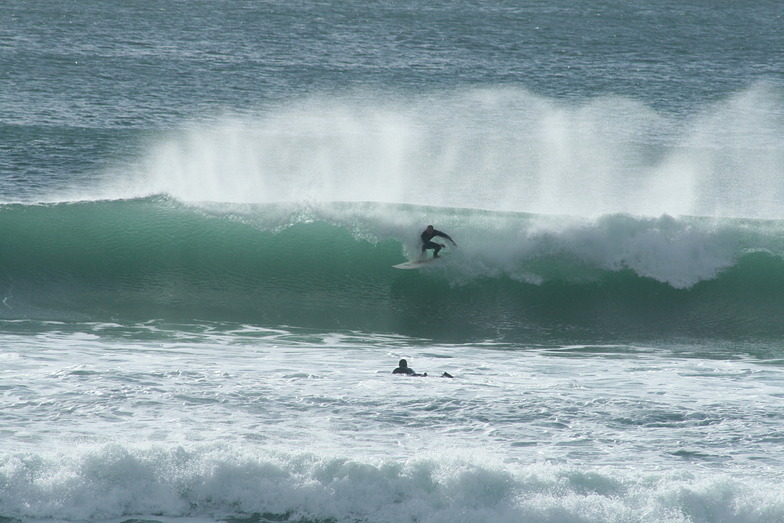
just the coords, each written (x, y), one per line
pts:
(403, 370)
(427, 244)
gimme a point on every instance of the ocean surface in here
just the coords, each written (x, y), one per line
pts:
(201, 203)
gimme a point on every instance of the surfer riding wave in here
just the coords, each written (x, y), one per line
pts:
(427, 243)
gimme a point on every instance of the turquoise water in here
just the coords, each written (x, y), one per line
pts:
(515, 277)
(201, 204)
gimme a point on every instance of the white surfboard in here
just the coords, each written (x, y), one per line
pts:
(416, 264)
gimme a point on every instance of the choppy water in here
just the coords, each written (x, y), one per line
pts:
(201, 204)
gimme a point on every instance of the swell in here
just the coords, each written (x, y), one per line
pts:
(514, 276)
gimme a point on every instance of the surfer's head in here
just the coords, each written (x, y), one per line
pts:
(402, 363)
(429, 228)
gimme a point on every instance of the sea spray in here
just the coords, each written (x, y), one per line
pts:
(501, 149)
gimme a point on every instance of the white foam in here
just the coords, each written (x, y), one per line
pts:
(205, 423)
(112, 482)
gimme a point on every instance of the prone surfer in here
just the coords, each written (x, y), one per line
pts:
(427, 243)
(403, 368)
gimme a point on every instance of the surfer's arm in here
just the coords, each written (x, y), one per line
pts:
(445, 235)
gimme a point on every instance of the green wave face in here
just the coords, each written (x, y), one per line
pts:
(513, 277)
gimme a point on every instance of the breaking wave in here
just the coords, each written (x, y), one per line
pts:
(329, 266)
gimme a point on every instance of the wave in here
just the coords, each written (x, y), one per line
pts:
(216, 484)
(329, 266)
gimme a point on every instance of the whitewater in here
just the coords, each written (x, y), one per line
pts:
(200, 209)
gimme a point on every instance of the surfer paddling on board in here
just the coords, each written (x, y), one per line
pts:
(403, 368)
(427, 243)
